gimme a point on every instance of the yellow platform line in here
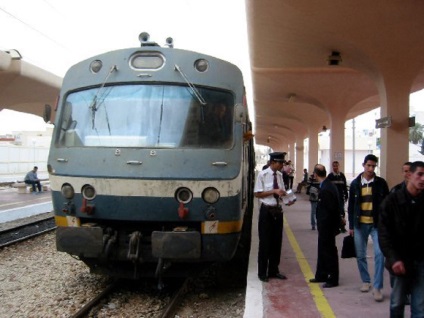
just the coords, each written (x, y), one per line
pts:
(319, 298)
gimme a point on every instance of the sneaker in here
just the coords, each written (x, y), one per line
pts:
(365, 288)
(378, 296)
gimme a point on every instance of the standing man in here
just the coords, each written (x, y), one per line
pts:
(339, 180)
(366, 193)
(328, 222)
(286, 179)
(405, 171)
(400, 233)
(290, 172)
(313, 190)
(269, 188)
(32, 179)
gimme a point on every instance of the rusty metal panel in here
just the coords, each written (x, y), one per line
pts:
(176, 245)
(80, 241)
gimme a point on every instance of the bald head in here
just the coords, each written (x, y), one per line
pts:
(320, 171)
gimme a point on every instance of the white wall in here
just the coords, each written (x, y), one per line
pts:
(30, 148)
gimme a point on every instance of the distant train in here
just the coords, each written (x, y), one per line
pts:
(152, 161)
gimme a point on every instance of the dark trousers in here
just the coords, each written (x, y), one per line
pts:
(34, 183)
(328, 258)
(291, 182)
(270, 228)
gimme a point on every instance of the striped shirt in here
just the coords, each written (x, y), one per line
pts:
(366, 201)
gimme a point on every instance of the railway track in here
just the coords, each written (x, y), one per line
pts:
(168, 312)
(26, 231)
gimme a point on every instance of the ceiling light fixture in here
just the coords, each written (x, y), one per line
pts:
(334, 59)
(291, 98)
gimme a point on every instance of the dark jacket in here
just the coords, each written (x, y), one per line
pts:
(380, 189)
(400, 228)
(398, 187)
(328, 208)
(339, 181)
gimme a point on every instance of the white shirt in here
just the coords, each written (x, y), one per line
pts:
(265, 182)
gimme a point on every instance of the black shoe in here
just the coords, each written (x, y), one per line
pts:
(263, 279)
(313, 228)
(314, 280)
(279, 276)
(329, 285)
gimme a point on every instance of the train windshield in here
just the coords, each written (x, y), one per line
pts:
(153, 116)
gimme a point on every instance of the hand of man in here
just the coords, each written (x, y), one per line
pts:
(280, 192)
(399, 268)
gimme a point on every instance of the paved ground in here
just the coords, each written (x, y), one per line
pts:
(296, 297)
(14, 205)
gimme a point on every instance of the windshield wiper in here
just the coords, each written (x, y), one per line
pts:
(192, 87)
(93, 104)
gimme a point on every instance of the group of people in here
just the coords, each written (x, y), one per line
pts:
(393, 219)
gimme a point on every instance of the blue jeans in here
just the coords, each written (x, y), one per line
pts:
(403, 285)
(361, 234)
(313, 213)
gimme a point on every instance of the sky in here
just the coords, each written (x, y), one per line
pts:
(56, 34)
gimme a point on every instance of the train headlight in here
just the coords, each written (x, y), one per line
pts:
(67, 191)
(210, 195)
(183, 195)
(88, 192)
(201, 65)
(147, 61)
(96, 66)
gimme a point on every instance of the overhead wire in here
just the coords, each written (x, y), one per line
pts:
(33, 28)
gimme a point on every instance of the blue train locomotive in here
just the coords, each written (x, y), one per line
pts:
(151, 161)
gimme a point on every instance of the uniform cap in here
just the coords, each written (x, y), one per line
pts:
(277, 156)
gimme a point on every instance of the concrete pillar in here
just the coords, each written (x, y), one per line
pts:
(337, 138)
(299, 160)
(313, 147)
(394, 139)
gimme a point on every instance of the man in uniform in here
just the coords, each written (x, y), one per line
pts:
(269, 188)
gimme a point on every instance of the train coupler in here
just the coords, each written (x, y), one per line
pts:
(134, 246)
(161, 267)
(109, 239)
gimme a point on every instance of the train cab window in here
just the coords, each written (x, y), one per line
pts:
(216, 129)
(153, 116)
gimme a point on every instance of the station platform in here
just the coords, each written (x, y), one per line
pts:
(296, 297)
(15, 205)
